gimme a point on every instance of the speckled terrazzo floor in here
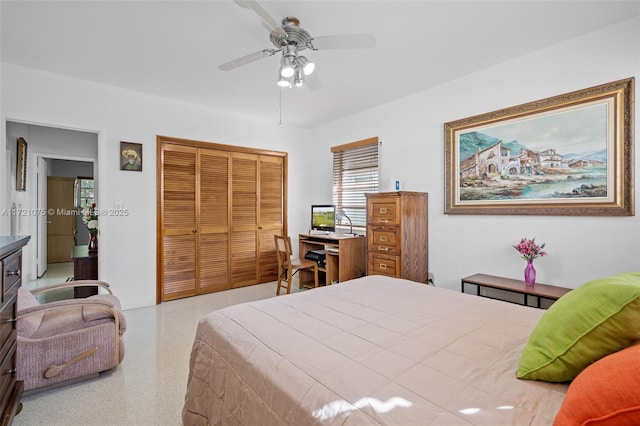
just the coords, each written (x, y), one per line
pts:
(148, 387)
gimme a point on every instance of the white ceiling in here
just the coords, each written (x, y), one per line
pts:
(172, 48)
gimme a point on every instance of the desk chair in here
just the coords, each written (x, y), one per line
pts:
(287, 266)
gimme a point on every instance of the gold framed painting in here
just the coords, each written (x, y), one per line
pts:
(570, 154)
(21, 165)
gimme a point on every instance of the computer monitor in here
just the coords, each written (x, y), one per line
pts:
(323, 218)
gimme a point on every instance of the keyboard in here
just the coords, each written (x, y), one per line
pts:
(339, 235)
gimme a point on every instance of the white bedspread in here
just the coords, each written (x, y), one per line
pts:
(374, 350)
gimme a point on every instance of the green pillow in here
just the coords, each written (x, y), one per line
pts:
(586, 324)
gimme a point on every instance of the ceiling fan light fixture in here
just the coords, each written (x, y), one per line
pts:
(289, 39)
(288, 61)
(284, 82)
(286, 69)
(306, 64)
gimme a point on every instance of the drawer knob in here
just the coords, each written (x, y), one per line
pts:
(383, 248)
(383, 266)
(14, 319)
(383, 210)
(384, 239)
(12, 371)
(383, 220)
(16, 272)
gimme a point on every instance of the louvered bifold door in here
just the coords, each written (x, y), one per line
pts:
(178, 222)
(213, 229)
(244, 213)
(271, 178)
(219, 208)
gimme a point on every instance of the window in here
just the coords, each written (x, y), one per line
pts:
(355, 173)
(85, 192)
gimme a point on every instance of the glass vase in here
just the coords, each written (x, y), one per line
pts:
(530, 273)
(93, 243)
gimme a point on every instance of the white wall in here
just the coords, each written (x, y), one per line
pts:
(4, 196)
(580, 248)
(128, 244)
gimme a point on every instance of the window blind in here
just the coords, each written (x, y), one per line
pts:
(355, 173)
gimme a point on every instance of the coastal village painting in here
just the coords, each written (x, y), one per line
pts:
(568, 154)
(551, 156)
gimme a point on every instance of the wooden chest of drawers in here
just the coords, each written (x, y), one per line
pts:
(85, 267)
(10, 388)
(397, 235)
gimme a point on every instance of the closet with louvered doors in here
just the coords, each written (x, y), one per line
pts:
(219, 207)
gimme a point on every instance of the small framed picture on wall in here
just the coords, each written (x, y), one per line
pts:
(131, 156)
(21, 165)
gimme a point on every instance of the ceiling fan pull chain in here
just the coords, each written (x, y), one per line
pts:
(280, 105)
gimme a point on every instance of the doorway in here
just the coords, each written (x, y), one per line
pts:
(53, 151)
(60, 194)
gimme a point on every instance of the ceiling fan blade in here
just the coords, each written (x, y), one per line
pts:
(269, 23)
(345, 41)
(313, 82)
(243, 60)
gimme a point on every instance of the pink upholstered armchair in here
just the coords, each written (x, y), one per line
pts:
(67, 339)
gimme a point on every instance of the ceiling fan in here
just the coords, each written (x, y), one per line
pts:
(290, 39)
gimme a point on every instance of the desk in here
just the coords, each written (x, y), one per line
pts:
(345, 258)
(85, 267)
(539, 291)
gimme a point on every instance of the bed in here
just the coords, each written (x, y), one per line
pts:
(374, 350)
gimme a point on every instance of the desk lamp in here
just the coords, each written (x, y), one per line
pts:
(343, 215)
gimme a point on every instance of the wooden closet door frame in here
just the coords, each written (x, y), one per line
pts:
(164, 140)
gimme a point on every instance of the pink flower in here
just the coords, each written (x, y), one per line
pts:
(529, 249)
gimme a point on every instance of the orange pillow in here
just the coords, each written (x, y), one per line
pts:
(605, 393)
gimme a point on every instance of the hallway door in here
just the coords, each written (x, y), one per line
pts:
(62, 223)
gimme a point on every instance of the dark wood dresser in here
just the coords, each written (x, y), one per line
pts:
(10, 388)
(85, 267)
